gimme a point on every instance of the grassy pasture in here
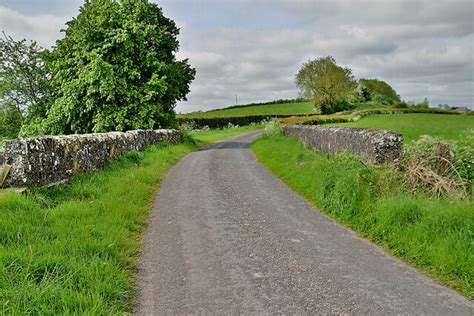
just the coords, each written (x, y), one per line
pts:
(412, 126)
(296, 108)
(212, 136)
(264, 109)
(74, 249)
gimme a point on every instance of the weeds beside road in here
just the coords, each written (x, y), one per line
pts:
(434, 234)
(74, 248)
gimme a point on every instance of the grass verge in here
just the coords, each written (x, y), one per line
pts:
(74, 249)
(434, 234)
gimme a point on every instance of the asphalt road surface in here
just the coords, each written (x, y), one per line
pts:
(228, 237)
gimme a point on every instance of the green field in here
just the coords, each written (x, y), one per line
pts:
(412, 126)
(212, 136)
(298, 108)
(265, 109)
(434, 234)
(74, 249)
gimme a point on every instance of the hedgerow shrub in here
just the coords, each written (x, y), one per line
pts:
(272, 126)
(223, 122)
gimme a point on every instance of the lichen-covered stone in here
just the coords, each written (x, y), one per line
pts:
(45, 160)
(373, 145)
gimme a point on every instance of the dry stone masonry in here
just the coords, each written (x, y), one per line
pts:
(42, 161)
(375, 146)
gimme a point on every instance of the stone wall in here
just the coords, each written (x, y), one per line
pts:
(47, 160)
(375, 146)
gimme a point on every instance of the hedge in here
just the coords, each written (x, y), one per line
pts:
(329, 119)
(221, 122)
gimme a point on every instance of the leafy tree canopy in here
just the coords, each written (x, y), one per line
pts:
(116, 69)
(10, 121)
(25, 88)
(326, 83)
(373, 89)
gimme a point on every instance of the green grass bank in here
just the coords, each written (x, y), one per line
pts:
(264, 109)
(74, 249)
(434, 234)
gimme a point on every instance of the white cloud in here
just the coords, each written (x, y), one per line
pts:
(44, 29)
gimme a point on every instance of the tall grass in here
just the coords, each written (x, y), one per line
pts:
(74, 249)
(435, 234)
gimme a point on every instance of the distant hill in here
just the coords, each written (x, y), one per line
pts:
(280, 107)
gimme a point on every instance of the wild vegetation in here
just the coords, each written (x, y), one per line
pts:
(430, 230)
(74, 249)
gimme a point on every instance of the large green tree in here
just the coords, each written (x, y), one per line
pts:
(115, 69)
(377, 90)
(25, 89)
(326, 83)
(10, 121)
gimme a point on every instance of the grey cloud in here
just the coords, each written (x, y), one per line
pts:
(423, 48)
(399, 12)
(65, 8)
(44, 29)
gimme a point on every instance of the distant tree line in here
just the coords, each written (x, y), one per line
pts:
(333, 88)
(114, 70)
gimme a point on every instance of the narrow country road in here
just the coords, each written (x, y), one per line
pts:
(227, 237)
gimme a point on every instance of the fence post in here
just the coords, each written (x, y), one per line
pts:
(443, 158)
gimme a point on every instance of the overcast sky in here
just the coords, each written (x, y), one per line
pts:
(253, 48)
